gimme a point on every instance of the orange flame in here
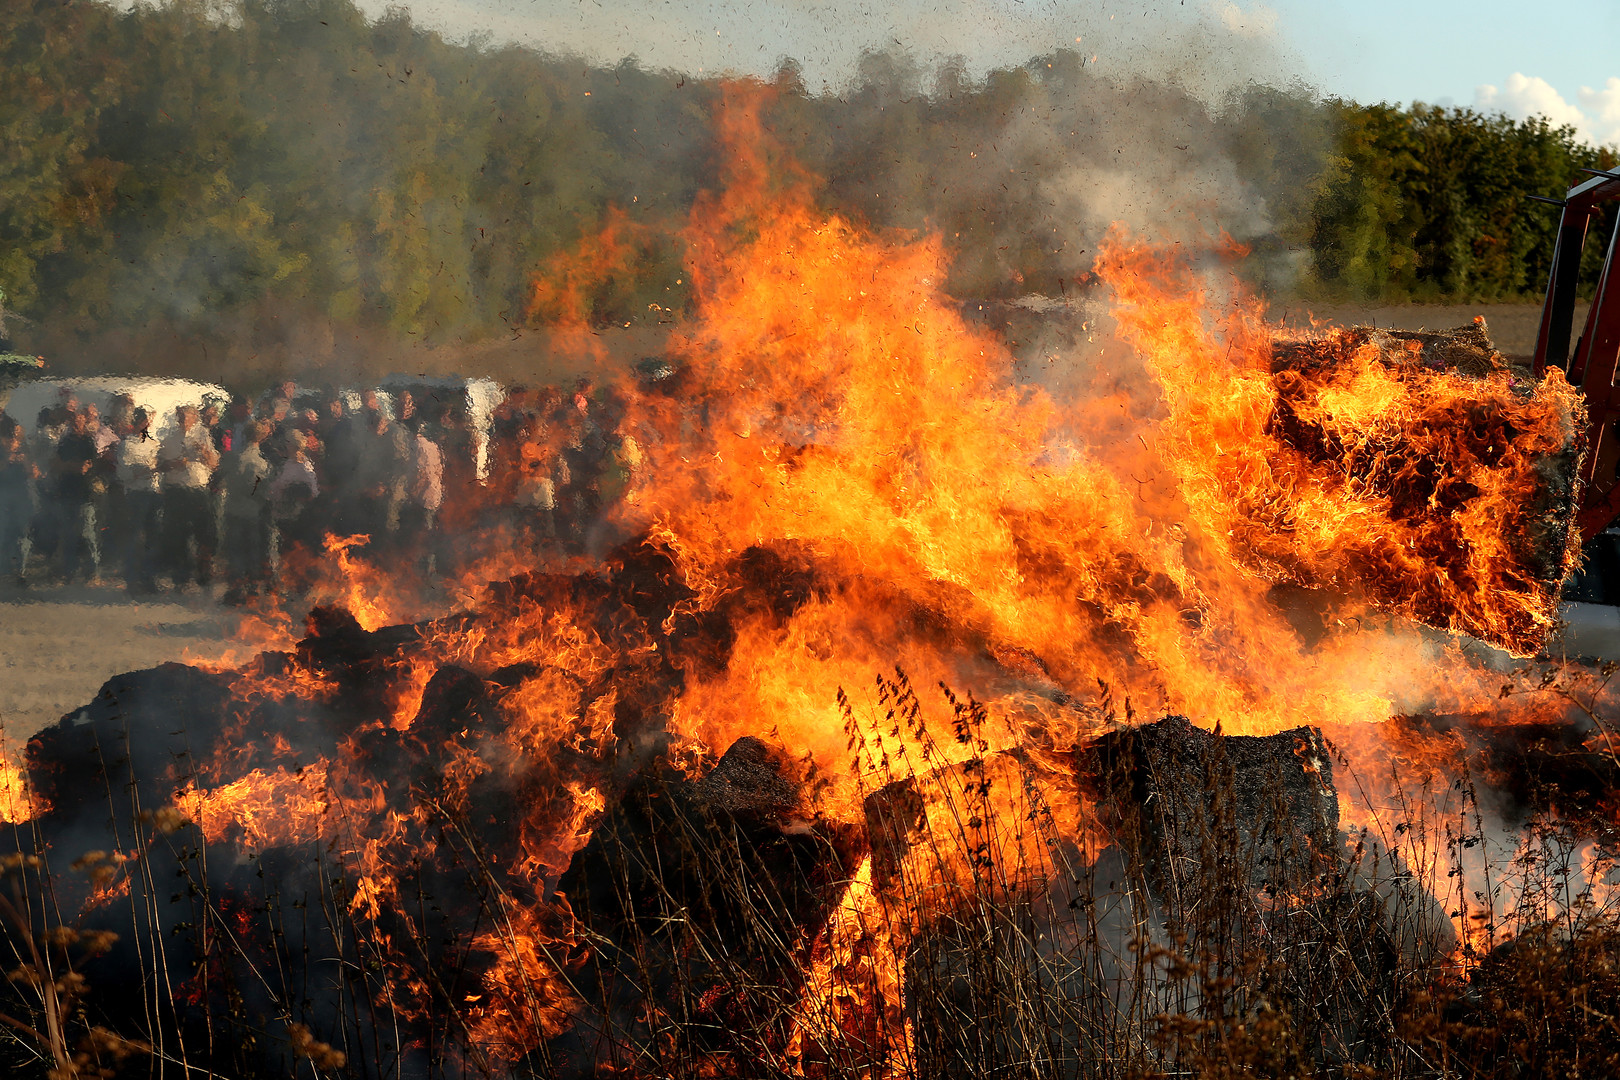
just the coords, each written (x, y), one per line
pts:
(18, 803)
(1061, 556)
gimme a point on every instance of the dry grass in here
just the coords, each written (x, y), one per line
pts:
(1183, 940)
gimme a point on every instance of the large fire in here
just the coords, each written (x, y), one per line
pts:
(852, 478)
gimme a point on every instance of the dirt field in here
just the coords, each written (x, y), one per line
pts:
(58, 646)
(1512, 326)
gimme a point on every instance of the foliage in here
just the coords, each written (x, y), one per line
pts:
(1432, 203)
(195, 163)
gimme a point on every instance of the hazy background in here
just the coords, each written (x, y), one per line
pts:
(248, 189)
(1493, 54)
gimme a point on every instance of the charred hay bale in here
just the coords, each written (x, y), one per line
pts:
(1024, 953)
(1459, 464)
(130, 743)
(1236, 840)
(1557, 766)
(1198, 808)
(995, 997)
(1541, 1005)
(335, 639)
(1035, 983)
(701, 899)
(1410, 920)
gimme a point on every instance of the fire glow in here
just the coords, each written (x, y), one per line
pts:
(845, 436)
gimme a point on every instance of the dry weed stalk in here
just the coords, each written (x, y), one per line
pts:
(981, 943)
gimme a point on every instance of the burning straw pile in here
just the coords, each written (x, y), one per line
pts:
(882, 742)
(338, 887)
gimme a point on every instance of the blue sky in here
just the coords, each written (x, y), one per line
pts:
(1561, 60)
(1447, 51)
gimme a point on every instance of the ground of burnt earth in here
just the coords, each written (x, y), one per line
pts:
(57, 646)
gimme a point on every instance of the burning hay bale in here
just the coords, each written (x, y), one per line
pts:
(1444, 474)
(998, 937)
(1221, 861)
(128, 743)
(701, 900)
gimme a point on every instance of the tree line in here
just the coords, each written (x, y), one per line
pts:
(195, 160)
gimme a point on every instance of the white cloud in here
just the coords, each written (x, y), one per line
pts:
(1596, 117)
(1524, 96)
(1604, 108)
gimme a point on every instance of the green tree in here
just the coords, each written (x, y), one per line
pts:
(59, 71)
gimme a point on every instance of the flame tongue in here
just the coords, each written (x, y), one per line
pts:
(849, 478)
(1420, 471)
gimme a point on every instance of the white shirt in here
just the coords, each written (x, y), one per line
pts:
(138, 463)
(193, 450)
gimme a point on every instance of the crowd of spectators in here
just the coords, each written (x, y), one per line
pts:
(250, 491)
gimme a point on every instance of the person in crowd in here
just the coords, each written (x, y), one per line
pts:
(459, 449)
(282, 420)
(46, 432)
(18, 499)
(296, 472)
(539, 473)
(139, 481)
(238, 418)
(623, 466)
(286, 390)
(424, 495)
(77, 537)
(308, 422)
(584, 452)
(213, 419)
(115, 427)
(101, 433)
(381, 478)
(54, 422)
(42, 449)
(506, 435)
(396, 453)
(104, 494)
(341, 474)
(295, 519)
(188, 459)
(120, 414)
(245, 476)
(304, 434)
(331, 414)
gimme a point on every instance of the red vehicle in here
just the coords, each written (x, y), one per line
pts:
(1591, 364)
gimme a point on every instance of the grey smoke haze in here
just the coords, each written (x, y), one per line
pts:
(1209, 45)
(1131, 152)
